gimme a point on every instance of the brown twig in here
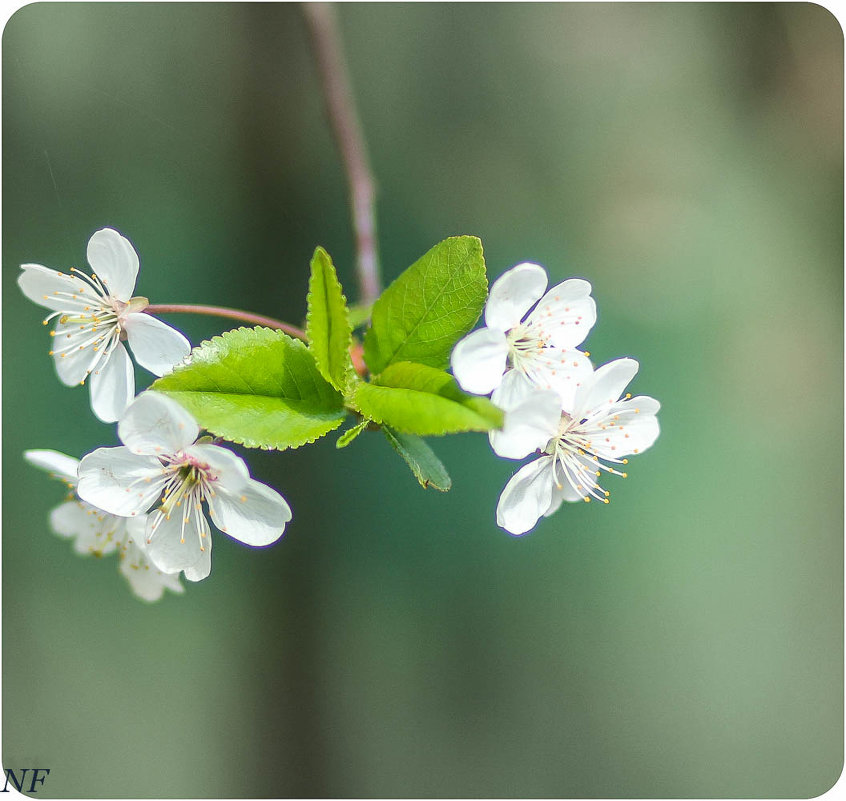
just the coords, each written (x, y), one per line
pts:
(222, 311)
(346, 128)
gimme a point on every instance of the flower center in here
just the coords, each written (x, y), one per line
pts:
(91, 321)
(189, 482)
(524, 343)
(575, 461)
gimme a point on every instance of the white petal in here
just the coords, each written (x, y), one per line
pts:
(155, 424)
(177, 543)
(512, 295)
(532, 417)
(255, 514)
(579, 472)
(478, 361)
(143, 582)
(59, 465)
(103, 534)
(565, 314)
(112, 385)
(202, 568)
(156, 345)
(94, 531)
(74, 354)
(563, 371)
(629, 427)
(53, 289)
(119, 481)
(604, 389)
(136, 528)
(114, 261)
(526, 497)
(145, 579)
(228, 469)
(560, 494)
(70, 519)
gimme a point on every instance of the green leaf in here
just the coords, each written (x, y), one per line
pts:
(257, 387)
(327, 322)
(417, 399)
(359, 314)
(427, 468)
(350, 434)
(434, 303)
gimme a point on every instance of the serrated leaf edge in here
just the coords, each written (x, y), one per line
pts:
(346, 315)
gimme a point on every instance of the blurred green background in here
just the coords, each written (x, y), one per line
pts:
(685, 640)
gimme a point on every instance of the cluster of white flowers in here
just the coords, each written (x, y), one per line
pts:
(98, 533)
(145, 500)
(148, 500)
(556, 404)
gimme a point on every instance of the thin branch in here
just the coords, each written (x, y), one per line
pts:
(222, 311)
(346, 128)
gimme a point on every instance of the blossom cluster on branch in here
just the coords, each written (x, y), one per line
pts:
(383, 367)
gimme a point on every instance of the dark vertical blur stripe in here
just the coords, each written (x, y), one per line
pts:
(292, 748)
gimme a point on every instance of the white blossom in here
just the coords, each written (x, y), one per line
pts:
(163, 469)
(95, 315)
(593, 435)
(98, 533)
(541, 347)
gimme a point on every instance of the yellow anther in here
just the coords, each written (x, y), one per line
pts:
(49, 352)
(624, 475)
(606, 501)
(587, 499)
(628, 395)
(243, 498)
(626, 461)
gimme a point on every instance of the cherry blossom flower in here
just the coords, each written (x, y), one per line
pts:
(542, 347)
(98, 533)
(162, 468)
(594, 435)
(96, 314)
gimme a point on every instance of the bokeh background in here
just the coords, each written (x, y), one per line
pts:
(685, 640)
